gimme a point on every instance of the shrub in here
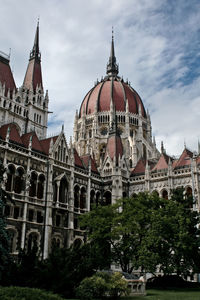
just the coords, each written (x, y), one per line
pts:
(101, 285)
(19, 293)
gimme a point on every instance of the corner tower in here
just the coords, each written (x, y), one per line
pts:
(32, 93)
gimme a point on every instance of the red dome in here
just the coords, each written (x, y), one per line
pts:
(99, 97)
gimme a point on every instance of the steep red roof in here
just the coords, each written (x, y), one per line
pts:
(77, 159)
(86, 159)
(162, 162)
(114, 147)
(14, 133)
(46, 143)
(139, 168)
(6, 76)
(184, 159)
(35, 141)
(33, 77)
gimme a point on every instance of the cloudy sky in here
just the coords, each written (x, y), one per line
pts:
(157, 45)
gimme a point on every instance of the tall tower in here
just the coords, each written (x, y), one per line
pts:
(32, 93)
(27, 106)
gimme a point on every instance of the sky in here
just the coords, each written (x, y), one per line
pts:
(157, 46)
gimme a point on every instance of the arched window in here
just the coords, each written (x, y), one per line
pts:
(165, 194)
(76, 196)
(19, 182)
(131, 164)
(33, 242)
(83, 198)
(61, 151)
(63, 191)
(55, 191)
(33, 185)
(11, 178)
(12, 233)
(189, 195)
(4, 103)
(40, 188)
(98, 198)
(59, 156)
(92, 199)
(107, 198)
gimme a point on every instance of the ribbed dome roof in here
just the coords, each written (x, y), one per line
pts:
(111, 87)
(99, 97)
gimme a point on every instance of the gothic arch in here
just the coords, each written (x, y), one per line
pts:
(164, 194)
(19, 180)
(107, 198)
(82, 197)
(33, 184)
(76, 196)
(10, 183)
(40, 186)
(63, 190)
(92, 198)
(13, 238)
(56, 241)
(33, 240)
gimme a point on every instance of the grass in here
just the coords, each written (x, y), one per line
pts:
(176, 294)
(18, 293)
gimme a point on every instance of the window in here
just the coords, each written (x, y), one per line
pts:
(30, 215)
(58, 220)
(32, 241)
(40, 189)
(75, 223)
(39, 217)
(16, 212)
(19, 182)
(7, 211)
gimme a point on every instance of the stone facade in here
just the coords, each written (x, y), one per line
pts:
(112, 155)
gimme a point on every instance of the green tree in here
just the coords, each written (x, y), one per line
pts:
(174, 236)
(146, 232)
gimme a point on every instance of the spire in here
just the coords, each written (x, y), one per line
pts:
(33, 77)
(112, 67)
(35, 53)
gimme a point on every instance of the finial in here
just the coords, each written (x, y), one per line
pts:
(9, 53)
(35, 53)
(62, 127)
(184, 144)
(162, 147)
(112, 67)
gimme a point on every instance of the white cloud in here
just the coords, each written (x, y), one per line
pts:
(152, 40)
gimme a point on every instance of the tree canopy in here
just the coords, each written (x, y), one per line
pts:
(147, 232)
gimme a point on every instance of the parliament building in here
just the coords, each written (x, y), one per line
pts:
(112, 155)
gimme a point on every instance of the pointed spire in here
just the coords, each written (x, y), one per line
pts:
(112, 67)
(198, 147)
(33, 76)
(162, 147)
(35, 53)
